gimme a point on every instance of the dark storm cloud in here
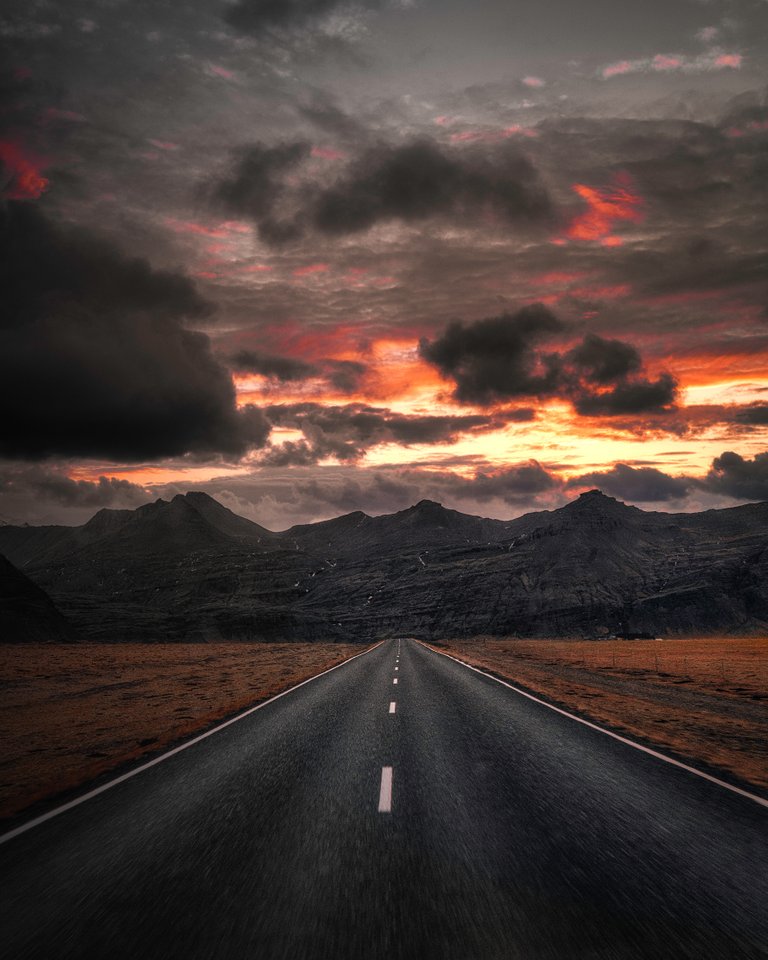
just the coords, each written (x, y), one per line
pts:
(753, 414)
(268, 365)
(421, 179)
(497, 359)
(411, 183)
(644, 484)
(627, 397)
(604, 361)
(45, 265)
(346, 432)
(342, 375)
(494, 359)
(95, 359)
(256, 185)
(738, 477)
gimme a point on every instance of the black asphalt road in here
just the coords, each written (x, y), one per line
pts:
(514, 832)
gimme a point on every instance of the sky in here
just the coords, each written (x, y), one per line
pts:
(313, 256)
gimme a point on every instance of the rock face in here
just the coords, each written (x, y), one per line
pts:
(27, 614)
(192, 570)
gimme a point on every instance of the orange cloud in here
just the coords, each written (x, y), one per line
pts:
(604, 208)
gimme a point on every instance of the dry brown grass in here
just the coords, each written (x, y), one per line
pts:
(701, 699)
(70, 713)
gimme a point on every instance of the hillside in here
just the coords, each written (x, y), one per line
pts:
(27, 614)
(190, 569)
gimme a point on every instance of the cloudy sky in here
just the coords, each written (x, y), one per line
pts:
(314, 256)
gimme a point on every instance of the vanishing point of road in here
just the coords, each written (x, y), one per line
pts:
(398, 806)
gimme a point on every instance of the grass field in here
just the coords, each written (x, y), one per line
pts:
(70, 713)
(701, 699)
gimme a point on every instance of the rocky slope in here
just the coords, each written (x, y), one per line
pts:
(27, 614)
(192, 570)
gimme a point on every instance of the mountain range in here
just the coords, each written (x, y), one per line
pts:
(191, 570)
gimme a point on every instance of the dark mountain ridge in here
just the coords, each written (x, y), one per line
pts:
(190, 569)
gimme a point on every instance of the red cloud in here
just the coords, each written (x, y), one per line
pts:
(616, 69)
(663, 61)
(310, 269)
(214, 70)
(21, 177)
(326, 153)
(604, 207)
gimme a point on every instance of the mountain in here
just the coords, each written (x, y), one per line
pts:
(425, 525)
(27, 614)
(190, 569)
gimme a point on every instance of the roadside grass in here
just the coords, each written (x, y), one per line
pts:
(704, 699)
(70, 713)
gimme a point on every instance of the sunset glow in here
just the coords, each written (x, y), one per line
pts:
(313, 283)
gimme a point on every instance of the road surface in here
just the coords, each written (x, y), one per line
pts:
(398, 806)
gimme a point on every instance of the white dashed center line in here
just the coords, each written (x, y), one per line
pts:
(395, 680)
(385, 793)
(392, 705)
(397, 668)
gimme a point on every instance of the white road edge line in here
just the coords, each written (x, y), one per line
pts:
(392, 705)
(608, 733)
(385, 792)
(170, 753)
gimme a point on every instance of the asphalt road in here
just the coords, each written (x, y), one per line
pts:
(506, 831)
